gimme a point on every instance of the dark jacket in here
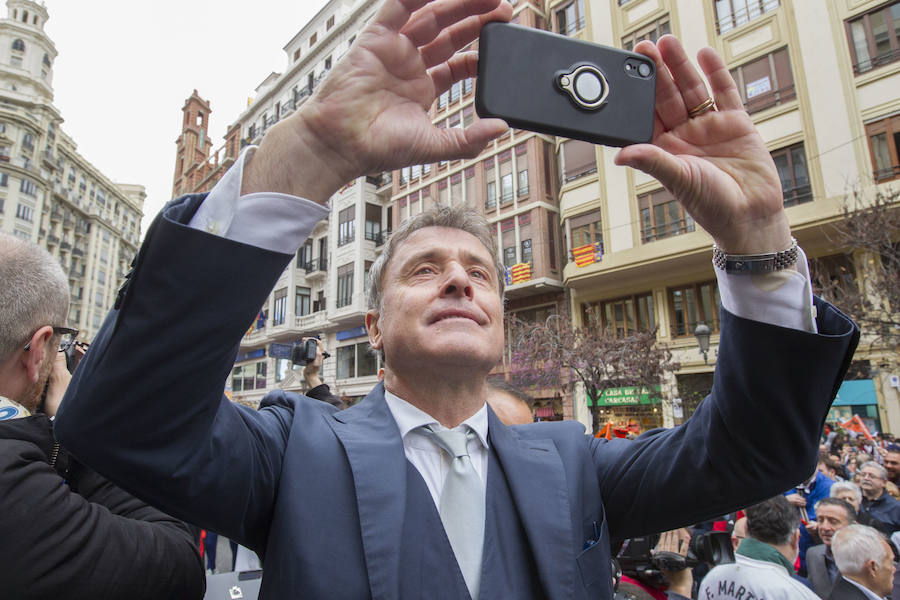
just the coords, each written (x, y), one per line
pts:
(323, 392)
(886, 510)
(69, 533)
(844, 590)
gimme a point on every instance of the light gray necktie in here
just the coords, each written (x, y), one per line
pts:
(462, 505)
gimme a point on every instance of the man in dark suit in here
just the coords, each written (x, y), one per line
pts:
(832, 515)
(349, 504)
(866, 563)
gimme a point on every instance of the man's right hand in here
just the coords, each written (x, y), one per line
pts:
(311, 370)
(796, 499)
(371, 113)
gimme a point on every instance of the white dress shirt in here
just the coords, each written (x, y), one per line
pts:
(281, 223)
(426, 456)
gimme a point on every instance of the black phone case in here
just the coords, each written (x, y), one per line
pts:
(518, 71)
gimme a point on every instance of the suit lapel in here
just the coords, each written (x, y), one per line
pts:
(536, 478)
(374, 449)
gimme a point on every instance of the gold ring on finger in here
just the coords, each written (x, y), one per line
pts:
(706, 105)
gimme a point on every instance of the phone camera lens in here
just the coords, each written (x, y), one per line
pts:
(644, 70)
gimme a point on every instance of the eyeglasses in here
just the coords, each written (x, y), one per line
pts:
(65, 342)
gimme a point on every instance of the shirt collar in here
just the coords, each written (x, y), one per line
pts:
(869, 593)
(408, 417)
(10, 409)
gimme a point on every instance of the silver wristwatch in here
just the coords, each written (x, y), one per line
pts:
(756, 264)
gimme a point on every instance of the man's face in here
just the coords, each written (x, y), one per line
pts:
(831, 519)
(892, 464)
(850, 497)
(884, 578)
(871, 483)
(441, 305)
(826, 471)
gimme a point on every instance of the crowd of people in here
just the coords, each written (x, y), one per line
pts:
(834, 536)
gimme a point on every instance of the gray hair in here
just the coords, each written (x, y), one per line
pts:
(855, 545)
(839, 486)
(871, 464)
(454, 217)
(34, 293)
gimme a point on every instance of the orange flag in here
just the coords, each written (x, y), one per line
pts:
(855, 423)
(605, 432)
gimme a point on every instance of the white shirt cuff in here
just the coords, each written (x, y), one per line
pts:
(781, 298)
(268, 220)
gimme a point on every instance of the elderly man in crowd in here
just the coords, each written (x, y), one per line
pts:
(882, 508)
(67, 532)
(866, 563)
(832, 515)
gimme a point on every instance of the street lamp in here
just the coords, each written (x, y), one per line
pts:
(702, 335)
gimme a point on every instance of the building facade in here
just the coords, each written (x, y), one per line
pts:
(49, 193)
(819, 80)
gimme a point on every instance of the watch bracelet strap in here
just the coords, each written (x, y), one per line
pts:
(756, 264)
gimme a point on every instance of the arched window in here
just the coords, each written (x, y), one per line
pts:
(47, 61)
(18, 45)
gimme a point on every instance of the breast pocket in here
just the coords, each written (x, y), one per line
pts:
(594, 561)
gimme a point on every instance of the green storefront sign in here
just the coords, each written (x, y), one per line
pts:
(625, 396)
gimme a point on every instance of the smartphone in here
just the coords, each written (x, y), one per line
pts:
(550, 83)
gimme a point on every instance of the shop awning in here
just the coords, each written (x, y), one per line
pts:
(855, 393)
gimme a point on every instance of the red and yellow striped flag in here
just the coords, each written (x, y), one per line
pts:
(587, 254)
(521, 272)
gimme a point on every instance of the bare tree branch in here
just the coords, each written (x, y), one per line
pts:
(553, 354)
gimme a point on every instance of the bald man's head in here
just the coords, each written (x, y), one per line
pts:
(511, 404)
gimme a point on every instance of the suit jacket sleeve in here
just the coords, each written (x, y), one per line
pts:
(146, 406)
(755, 436)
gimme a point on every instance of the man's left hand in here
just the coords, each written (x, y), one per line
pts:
(715, 164)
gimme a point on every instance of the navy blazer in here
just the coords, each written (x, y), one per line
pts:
(844, 590)
(320, 493)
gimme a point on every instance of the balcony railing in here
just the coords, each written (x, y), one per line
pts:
(665, 230)
(317, 265)
(753, 10)
(876, 61)
(770, 99)
(797, 195)
(887, 173)
(567, 177)
(375, 236)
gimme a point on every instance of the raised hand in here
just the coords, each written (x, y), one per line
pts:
(714, 162)
(370, 114)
